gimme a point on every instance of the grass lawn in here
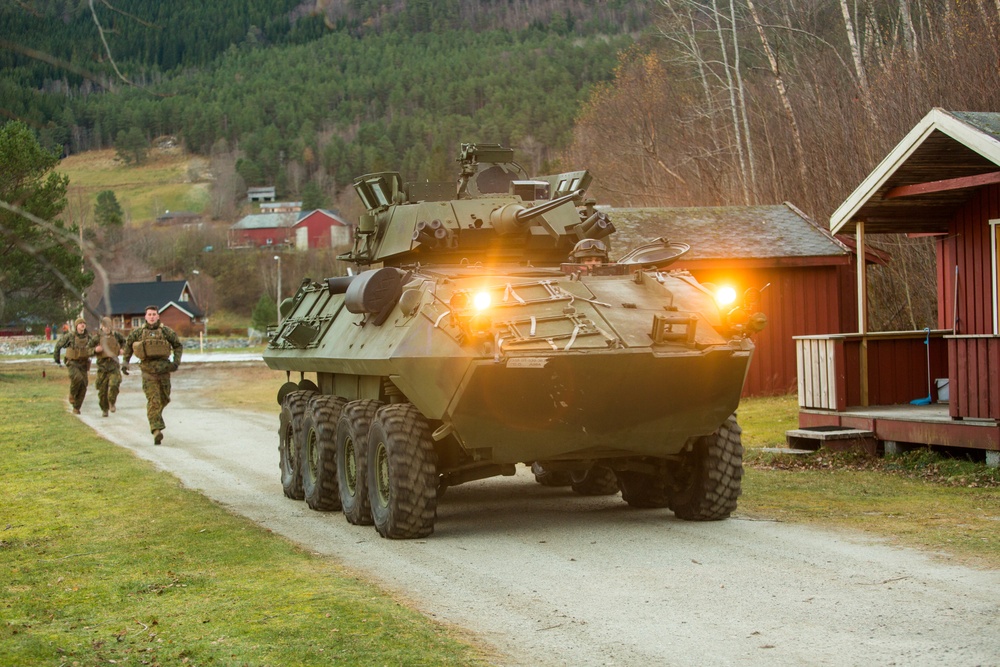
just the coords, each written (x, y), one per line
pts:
(106, 560)
(167, 181)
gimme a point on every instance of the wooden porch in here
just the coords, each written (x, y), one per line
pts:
(887, 383)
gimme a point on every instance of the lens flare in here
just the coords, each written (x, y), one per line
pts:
(481, 301)
(725, 296)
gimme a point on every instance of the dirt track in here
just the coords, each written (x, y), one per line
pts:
(547, 577)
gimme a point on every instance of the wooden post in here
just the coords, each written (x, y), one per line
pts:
(862, 310)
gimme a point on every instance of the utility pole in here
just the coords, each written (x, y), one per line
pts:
(277, 258)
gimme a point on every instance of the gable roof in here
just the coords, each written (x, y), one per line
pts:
(321, 213)
(126, 298)
(267, 221)
(729, 233)
(944, 145)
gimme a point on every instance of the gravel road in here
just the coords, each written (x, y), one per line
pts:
(546, 577)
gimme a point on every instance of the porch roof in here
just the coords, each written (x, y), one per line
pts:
(929, 174)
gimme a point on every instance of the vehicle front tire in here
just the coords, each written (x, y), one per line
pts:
(552, 478)
(402, 474)
(706, 485)
(290, 442)
(595, 481)
(319, 454)
(352, 459)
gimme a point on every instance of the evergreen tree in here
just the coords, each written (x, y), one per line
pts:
(42, 275)
(264, 313)
(131, 146)
(107, 211)
(312, 196)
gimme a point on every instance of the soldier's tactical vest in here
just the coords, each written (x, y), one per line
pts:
(109, 346)
(78, 349)
(153, 345)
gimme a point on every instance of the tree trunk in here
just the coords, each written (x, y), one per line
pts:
(733, 109)
(779, 85)
(859, 66)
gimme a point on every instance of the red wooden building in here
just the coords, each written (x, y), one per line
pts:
(303, 230)
(943, 179)
(808, 274)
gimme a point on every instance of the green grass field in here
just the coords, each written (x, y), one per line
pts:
(168, 181)
(107, 561)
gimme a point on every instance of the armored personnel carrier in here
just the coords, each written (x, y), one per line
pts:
(467, 342)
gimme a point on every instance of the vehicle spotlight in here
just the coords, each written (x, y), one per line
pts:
(725, 295)
(481, 301)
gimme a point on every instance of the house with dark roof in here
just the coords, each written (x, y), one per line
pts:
(937, 387)
(126, 305)
(804, 273)
(302, 230)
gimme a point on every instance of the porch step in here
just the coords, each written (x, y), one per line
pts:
(832, 437)
(786, 450)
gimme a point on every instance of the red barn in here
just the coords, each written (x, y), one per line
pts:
(300, 230)
(807, 272)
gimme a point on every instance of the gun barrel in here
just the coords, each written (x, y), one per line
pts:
(526, 214)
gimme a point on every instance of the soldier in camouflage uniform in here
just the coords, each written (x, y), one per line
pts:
(78, 353)
(107, 344)
(152, 343)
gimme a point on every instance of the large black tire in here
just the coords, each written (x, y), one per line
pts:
(402, 473)
(550, 477)
(319, 453)
(352, 460)
(706, 486)
(643, 490)
(595, 481)
(290, 442)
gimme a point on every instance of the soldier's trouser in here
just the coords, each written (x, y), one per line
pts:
(157, 391)
(109, 383)
(77, 383)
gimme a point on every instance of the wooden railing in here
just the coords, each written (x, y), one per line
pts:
(836, 371)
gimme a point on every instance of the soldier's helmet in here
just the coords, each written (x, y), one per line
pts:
(587, 249)
(106, 323)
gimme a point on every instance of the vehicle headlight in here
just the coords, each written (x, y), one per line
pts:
(725, 296)
(481, 301)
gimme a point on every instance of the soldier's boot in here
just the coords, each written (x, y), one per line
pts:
(157, 436)
(76, 411)
(104, 413)
(111, 407)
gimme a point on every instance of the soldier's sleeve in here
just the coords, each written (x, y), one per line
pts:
(60, 344)
(127, 347)
(175, 343)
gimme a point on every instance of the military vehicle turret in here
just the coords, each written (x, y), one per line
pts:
(467, 342)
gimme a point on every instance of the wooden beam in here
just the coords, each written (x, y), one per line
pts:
(944, 185)
(862, 310)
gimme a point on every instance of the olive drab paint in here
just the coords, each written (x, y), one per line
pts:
(478, 343)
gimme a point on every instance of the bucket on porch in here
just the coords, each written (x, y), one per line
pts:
(942, 389)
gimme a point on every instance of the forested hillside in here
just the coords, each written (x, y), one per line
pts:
(291, 92)
(667, 102)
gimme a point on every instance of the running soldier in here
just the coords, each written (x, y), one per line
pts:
(152, 343)
(107, 344)
(78, 353)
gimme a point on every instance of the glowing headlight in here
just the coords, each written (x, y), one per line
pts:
(481, 301)
(725, 296)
